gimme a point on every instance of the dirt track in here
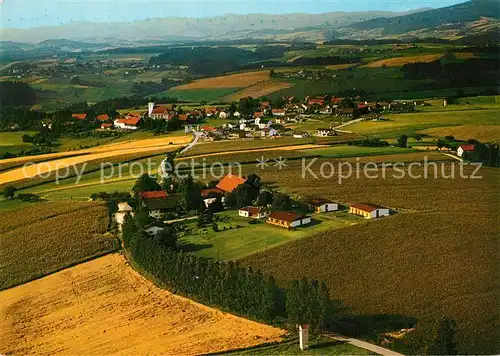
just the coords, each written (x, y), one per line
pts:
(105, 307)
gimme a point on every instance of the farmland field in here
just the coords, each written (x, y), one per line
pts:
(239, 80)
(426, 260)
(484, 133)
(257, 90)
(356, 151)
(409, 124)
(198, 94)
(105, 307)
(400, 61)
(45, 237)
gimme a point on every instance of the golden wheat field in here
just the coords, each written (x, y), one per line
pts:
(239, 80)
(61, 162)
(105, 307)
(339, 66)
(258, 90)
(484, 133)
(400, 61)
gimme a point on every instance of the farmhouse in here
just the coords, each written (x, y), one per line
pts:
(127, 123)
(153, 194)
(222, 115)
(287, 220)
(106, 126)
(102, 117)
(210, 195)
(464, 148)
(230, 182)
(123, 210)
(158, 207)
(158, 111)
(79, 116)
(300, 135)
(278, 112)
(323, 205)
(258, 114)
(369, 211)
(211, 111)
(325, 132)
(253, 212)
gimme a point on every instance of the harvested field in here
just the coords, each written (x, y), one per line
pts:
(429, 259)
(258, 90)
(45, 171)
(46, 237)
(340, 66)
(400, 61)
(239, 80)
(484, 133)
(105, 307)
(464, 55)
(115, 147)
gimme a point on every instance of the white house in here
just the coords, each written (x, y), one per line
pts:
(327, 110)
(243, 126)
(222, 115)
(323, 205)
(127, 123)
(287, 220)
(464, 148)
(300, 135)
(257, 121)
(236, 114)
(253, 212)
(278, 112)
(369, 211)
(123, 210)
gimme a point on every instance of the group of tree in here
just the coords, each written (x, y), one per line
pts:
(431, 336)
(369, 142)
(486, 153)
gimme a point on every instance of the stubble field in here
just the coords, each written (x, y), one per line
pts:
(105, 307)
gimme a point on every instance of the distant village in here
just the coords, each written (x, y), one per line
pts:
(265, 121)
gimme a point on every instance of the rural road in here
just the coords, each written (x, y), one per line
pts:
(197, 136)
(346, 124)
(365, 345)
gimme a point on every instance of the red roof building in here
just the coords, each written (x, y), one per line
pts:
(129, 121)
(79, 116)
(230, 182)
(106, 126)
(319, 102)
(153, 195)
(258, 114)
(206, 193)
(102, 117)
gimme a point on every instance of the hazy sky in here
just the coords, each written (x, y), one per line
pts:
(32, 13)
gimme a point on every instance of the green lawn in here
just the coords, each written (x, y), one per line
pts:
(317, 346)
(14, 138)
(356, 151)
(6, 205)
(236, 243)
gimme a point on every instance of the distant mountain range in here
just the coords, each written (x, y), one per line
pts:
(472, 18)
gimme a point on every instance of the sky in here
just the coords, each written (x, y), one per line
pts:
(33, 13)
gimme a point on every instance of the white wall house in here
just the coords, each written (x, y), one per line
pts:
(323, 206)
(464, 148)
(369, 211)
(325, 132)
(253, 212)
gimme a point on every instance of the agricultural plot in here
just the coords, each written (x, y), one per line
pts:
(238, 80)
(400, 61)
(483, 133)
(238, 238)
(427, 260)
(197, 95)
(257, 90)
(45, 237)
(356, 151)
(409, 124)
(105, 307)
(12, 142)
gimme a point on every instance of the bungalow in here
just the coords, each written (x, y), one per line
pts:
(127, 123)
(230, 182)
(153, 194)
(287, 220)
(464, 148)
(79, 116)
(278, 112)
(368, 211)
(158, 207)
(106, 126)
(102, 117)
(325, 132)
(323, 205)
(253, 212)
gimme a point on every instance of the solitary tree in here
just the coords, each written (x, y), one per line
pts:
(403, 141)
(9, 191)
(145, 183)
